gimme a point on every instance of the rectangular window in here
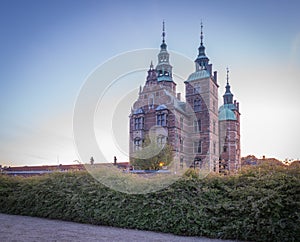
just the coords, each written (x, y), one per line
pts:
(214, 148)
(161, 119)
(181, 145)
(161, 140)
(136, 124)
(198, 147)
(197, 105)
(214, 127)
(214, 105)
(137, 144)
(181, 161)
(181, 122)
(197, 125)
(197, 88)
(139, 123)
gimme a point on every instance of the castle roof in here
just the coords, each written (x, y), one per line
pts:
(225, 113)
(201, 74)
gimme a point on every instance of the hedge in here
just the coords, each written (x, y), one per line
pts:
(259, 204)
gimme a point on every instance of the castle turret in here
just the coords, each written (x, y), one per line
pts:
(229, 132)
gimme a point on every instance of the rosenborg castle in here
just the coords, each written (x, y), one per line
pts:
(200, 134)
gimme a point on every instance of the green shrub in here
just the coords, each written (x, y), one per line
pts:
(259, 204)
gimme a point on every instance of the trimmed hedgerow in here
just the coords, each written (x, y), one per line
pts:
(259, 204)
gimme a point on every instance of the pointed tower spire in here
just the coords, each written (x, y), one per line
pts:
(228, 96)
(163, 46)
(227, 75)
(201, 35)
(163, 32)
(163, 68)
(202, 60)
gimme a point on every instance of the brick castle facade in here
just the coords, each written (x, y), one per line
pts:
(200, 134)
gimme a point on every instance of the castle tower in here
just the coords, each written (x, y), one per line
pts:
(202, 95)
(158, 106)
(163, 68)
(229, 131)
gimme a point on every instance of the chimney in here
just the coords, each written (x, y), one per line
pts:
(179, 96)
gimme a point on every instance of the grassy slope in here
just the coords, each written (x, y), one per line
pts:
(258, 204)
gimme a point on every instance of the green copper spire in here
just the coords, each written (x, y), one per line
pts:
(163, 46)
(202, 59)
(228, 96)
(163, 68)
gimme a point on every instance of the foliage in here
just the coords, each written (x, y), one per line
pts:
(163, 156)
(259, 204)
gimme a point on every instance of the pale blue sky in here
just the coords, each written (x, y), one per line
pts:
(48, 48)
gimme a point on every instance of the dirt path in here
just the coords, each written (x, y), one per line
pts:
(23, 228)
